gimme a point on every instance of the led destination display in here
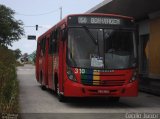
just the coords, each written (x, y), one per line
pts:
(99, 20)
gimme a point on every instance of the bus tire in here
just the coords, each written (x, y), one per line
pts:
(61, 98)
(43, 87)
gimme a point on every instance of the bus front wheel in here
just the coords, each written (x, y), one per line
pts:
(61, 98)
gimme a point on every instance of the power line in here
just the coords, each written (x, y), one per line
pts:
(50, 12)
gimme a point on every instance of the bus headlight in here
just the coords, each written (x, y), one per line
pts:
(71, 75)
(134, 77)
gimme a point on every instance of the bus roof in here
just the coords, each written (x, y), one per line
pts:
(91, 14)
(101, 14)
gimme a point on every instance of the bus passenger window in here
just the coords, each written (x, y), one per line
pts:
(53, 44)
(38, 49)
(42, 46)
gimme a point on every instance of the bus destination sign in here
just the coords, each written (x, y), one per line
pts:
(99, 20)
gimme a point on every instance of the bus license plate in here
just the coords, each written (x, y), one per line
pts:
(104, 91)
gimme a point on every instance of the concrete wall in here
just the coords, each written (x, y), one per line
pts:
(144, 30)
(150, 82)
(152, 49)
(144, 27)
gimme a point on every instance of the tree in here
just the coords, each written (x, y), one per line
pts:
(10, 29)
(17, 53)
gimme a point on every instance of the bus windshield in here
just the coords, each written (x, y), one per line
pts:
(101, 48)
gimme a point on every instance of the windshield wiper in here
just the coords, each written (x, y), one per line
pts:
(90, 35)
(95, 41)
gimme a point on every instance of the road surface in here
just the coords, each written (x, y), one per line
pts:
(34, 100)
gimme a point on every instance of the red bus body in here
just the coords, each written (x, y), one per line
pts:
(52, 68)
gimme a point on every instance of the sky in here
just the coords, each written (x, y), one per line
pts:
(45, 13)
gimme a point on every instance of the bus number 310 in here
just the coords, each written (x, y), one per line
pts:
(82, 71)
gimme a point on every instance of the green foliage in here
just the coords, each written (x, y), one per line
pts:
(8, 82)
(7, 57)
(10, 29)
(17, 53)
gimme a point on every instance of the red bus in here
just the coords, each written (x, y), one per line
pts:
(89, 55)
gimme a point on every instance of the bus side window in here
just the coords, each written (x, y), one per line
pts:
(42, 46)
(38, 49)
(64, 33)
(53, 43)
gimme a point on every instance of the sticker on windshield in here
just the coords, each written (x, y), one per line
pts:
(97, 62)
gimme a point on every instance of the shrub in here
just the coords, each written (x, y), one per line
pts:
(8, 82)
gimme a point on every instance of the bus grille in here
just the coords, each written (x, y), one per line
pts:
(103, 82)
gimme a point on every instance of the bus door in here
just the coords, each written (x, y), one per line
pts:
(44, 61)
(62, 60)
(38, 60)
(51, 41)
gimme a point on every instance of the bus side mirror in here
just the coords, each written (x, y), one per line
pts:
(64, 34)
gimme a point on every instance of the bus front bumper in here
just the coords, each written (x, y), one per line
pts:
(73, 89)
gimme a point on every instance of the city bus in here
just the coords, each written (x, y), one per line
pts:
(89, 55)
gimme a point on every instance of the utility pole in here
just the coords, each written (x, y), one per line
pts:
(60, 13)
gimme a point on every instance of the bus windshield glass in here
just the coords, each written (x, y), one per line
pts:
(101, 48)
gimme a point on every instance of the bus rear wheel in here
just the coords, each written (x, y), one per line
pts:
(43, 87)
